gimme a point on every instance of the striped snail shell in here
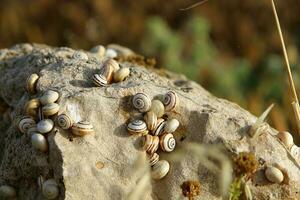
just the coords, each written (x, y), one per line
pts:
(150, 143)
(45, 126)
(25, 123)
(107, 71)
(158, 108)
(79, 55)
(286, 138)
(50, 189)
(31, 107)
(159, 129)
(49, 96)
(151, 120)
(32, 130)
(99, 80)
(170, 101)
(167, 142)
(141, 102)
(82, 128)
(137, 127)
(50, 109)
(39, 142)
(64, 121)
(31, 83)
(171, 125)
(160, 169)
(7, 191)
(153, 158)
(114, 64)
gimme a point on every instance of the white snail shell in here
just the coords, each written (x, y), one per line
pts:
(158, 108)
(167, 142)
(295, 152)
(160, 169)
(121, 51)
(141, 102)
(159, 129)
(82, 128)
(7, 191)
(114, 64)
(79, 55)
(151, 120)
(25, 123)
(150, 143)
(49, 96)
(111, 53)
(137, 127)
(50, 189)
(99, 50)
(121, 74)
(45, 125)
(286, 138)
(99, 80)
(274, 175)
(170, 101)
(31, 107)
(31, 83)
(171, 125)
(153, 158)
(50, 109)
(39, 142)
(64, 121)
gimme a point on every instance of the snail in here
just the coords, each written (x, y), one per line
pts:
(45, 126)
(160, 169)
(151, 120)
(7, 191)
(50, 189)
(25, 122)
(99, 80)
(286, 138)
(153, 158)
(64, 121)
(167, 142)
(98, 50)
(79, 55)
(295, 152)
(111, 53)
(31, 83)
(31, 107)
(159, 129)
(141, 102)
(150, 143)
(158, 108)
(137, 127)
(82, 128)
(32, 130)
(171, 125)
(50, 109)
(48, 97)
(39, 142)
(274, 174)
(107, 71)
(114, 64)
(121, 74)
(170, 101)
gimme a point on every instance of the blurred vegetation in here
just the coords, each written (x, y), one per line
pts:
(231, 47)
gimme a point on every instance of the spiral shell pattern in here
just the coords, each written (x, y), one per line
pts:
(167, 142)
(137, 126)
(25, 123)
(64, 121)
(82, 128)
(79, 55)
(159, 129)
(170, 100)
(141, 102)
(99, 80)
(150, 143)
(153, 158)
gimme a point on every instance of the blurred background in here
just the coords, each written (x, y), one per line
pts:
(231, 48)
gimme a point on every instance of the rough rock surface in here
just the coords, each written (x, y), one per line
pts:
(99, 166)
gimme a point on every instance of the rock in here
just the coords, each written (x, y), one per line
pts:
(73, 162)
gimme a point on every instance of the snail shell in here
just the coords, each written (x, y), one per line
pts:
(7, 191)
(114, 64)
(32, 107)
(108, 70)
(150, 143)
(50, 189)
(64, 121)
(50, 109)
(286, 138)
(111, 53)
(32, 130)
(158, 108)
(295, 152)
(170, 101)
(99, 50)
(137, 126)
(160, 169)
(39, 142)
(99, 80)
(121, 74)
(151, 120)
(159, 129)
(45, 126)
(141, 102)
(171, 125)
(25, 123)
(167, 142)
(153, 158)
(82, 128)
(49, 96)
(31, 83)
(79, 55)
(274, 174)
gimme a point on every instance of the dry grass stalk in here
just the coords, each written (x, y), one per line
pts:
(295, 102)
(194, 5)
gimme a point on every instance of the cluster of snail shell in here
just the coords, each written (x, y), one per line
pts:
(155, 131)
(110, 72)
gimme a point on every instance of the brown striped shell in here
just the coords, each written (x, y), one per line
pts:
(137, 127)
(64, 121)
(107, 71)
(141, 102)
(170, 101)
(159, 129)
(167, 142)
(151, 120)
(82, 128)
(150, 143)
(99, 80)
(24, 123)
(153, 158)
